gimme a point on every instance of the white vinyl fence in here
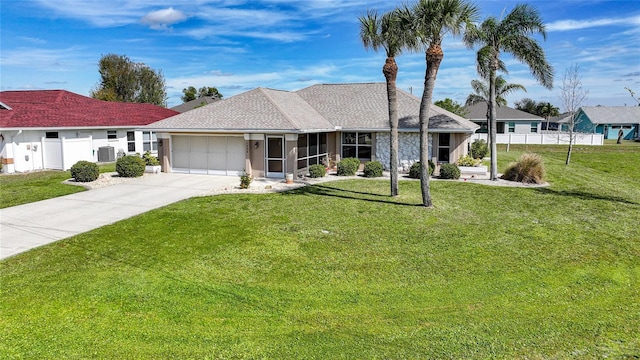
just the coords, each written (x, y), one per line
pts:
(61, 154)
(550, 138)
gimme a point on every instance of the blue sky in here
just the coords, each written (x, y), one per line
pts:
(237, 45)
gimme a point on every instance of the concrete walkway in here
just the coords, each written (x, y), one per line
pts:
(31, 225)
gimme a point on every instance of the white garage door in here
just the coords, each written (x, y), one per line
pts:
(214, 155)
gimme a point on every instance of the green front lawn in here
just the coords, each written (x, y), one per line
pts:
(341, 270)
(18, 189)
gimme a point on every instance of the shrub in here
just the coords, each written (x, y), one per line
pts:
(373, 169)
(528, 169)
(130, 166)
(467, 161)
(85, 171)
(479, 149)
(414, 171)
(150, 160)
(317, 171)
(245, 180)
(348, 167)
(449, 171)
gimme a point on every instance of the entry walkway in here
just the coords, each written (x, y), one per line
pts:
(31, 225)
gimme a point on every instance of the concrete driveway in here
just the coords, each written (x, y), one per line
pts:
(31, 225)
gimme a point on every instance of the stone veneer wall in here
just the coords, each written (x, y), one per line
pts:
(408, 149)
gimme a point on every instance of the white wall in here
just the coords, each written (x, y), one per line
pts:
(26, 147)
(547, 138)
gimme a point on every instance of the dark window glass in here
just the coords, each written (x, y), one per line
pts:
(131, 136)
(313, 144)
(348, 151)
(302, 146)
(302, 164)
(112, 134)
(443, 139)
(364, 138)
(348, 138)
(323, 143)
(275, 148)
(443, 154)
(51, 135)
(364, 152)
(275, 166)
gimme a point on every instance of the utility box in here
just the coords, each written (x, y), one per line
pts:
(106, 154)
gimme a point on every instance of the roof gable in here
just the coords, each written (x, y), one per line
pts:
(64, 109)
(316, 108)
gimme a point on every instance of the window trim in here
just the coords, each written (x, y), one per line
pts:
(112, 135)
(130, 142)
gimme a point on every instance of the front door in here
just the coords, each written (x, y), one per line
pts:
(275, 156)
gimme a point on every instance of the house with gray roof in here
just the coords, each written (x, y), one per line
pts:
(269, 133)
(609, 121)
(509, 120)
(195, 103)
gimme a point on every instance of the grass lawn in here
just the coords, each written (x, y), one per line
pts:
(341, 270)
(18, 189)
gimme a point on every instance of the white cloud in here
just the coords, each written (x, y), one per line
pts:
(162, 19)
(567, 25)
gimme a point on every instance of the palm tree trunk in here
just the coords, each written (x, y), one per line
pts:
(390, 71)
(434, 56)
(493, 128)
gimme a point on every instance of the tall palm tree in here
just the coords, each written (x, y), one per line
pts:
(511, 35)
(547, 110)
(432, 21)
(481, 94)
(388, 32)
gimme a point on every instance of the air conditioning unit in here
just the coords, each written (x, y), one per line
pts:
(106, 154)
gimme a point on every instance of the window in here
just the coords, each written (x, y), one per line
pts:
(534, 127)
(51, 135)
(112, 134)
(149, 141)
(312, 149)
(357, 145)
(444, 143)
(512, 127)
(131, 141)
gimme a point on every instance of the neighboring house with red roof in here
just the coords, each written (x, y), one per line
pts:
(271, 133)
(53, 129)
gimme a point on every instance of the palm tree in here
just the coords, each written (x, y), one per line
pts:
(547, 110)
(511, 35)
(387, 32)
(432, 20)
(481, 94)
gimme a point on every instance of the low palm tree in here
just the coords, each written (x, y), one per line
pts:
(511, 35)
(387, 32)
(432, 20)
(481, 94)
(547, 110)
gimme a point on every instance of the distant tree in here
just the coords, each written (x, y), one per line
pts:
(207, 91)
(633, 95)
(572, 95)
(527, 105)
(452, 106)
(191, 93)
(547, 110)
(123, 80)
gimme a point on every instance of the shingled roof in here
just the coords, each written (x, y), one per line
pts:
(324, 107)
(612, 114)
(40, 109)
(478, 112)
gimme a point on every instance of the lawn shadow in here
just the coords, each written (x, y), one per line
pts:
(325, 190)
(585, 195)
